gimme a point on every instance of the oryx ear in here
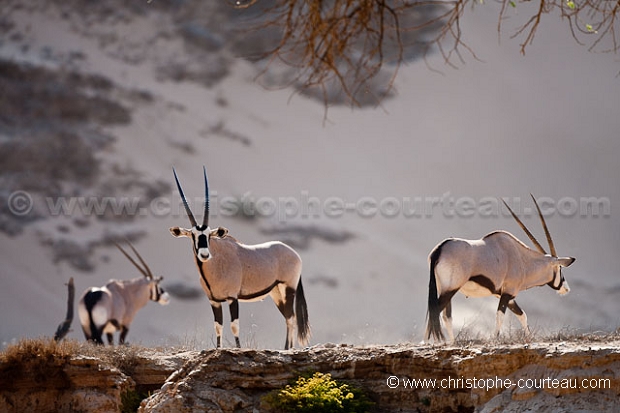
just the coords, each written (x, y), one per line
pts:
(565, 261)
(221, 232)
(180, 232)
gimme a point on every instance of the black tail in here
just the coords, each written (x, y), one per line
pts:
(301, 314)
(90, 299)
(433, 327)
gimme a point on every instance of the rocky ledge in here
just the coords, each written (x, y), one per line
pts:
(405, 378)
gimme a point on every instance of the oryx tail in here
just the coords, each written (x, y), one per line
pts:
(434, 309)
(93, 333)
(301, 313)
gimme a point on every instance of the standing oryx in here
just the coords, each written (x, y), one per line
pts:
(231, 271)
(113, 306)
(498, 264)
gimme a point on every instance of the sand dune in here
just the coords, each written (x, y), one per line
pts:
(545, 123)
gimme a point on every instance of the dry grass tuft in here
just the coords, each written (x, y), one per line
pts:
(576, 336)
(46, 351)
(467, 337)
(44, 348)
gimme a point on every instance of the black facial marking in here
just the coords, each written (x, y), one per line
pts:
(202, 241)
(555, 274)
(484, 282)
(158, 292)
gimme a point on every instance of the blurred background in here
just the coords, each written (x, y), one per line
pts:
(98, 102)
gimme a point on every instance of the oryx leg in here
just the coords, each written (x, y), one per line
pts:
(95, 337)
(284, 297)
(218, 315)
(109, 329)
(124, 331)
(234, 320)
(446, 315)
(521, 316)
(504, 299)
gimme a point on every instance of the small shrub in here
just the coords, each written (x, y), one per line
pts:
(318, 393)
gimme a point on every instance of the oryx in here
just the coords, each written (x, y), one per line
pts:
(499, 265)
(231, 272)
(113, 307)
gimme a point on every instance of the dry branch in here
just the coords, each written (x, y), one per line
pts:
(347, 43)
(64, 327)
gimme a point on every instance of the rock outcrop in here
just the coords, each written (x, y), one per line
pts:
(82, 383)
(405, 378)
(457, 379)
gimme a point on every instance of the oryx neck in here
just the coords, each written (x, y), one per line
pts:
(539, 270)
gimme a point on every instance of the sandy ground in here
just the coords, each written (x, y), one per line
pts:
(508, 125)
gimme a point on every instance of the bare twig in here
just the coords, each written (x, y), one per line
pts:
(64, 327)
(348, 43)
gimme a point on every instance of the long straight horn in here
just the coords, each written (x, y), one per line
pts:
(524, 228)
(132, 260)
(149, 274)
(205, 218)
(544, 224)
(192, 220)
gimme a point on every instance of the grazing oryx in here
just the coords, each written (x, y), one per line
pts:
(231, 271)
(498, 264)
(113, 306)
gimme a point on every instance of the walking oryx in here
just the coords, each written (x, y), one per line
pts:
(113, 306)
(498, 264)
(231, 271)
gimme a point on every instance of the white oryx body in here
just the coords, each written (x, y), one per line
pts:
(231, 272)
(248, 272)
(113, 307)
(499, 265)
